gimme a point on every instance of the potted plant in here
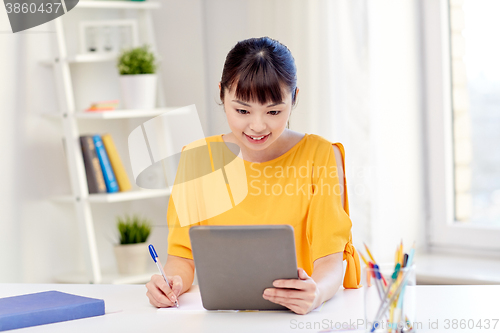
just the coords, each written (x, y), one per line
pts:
(132, 251)
(138, 81)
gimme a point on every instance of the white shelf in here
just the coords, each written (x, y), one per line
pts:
(90, 58)
(93, 57)
(62, 62)
(115, 114)
(107, 277)
(118, 197)
(118, 4)
(120, 114)
(83, 58)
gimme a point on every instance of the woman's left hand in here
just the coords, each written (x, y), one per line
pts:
(303, 300)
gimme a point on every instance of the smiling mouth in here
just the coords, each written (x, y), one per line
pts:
(257, 138)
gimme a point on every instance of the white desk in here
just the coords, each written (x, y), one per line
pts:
(128, 310)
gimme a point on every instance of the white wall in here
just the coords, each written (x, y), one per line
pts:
(32, 163)
(9, 230)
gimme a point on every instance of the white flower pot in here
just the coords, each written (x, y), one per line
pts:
(132, 258)
(138, 91)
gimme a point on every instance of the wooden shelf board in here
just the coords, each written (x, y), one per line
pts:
(118, 197)
(118, 4)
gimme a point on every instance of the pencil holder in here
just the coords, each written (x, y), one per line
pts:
(389, 299)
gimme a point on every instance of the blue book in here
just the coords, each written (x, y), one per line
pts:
(107, 170)
(45, 308)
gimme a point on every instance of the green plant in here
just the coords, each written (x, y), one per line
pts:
(133, 229)
(137, 60)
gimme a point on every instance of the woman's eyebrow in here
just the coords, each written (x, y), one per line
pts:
(270, 105)
(235, 100)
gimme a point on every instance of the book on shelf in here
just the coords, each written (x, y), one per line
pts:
(98, 109)
(107, 170)
(103, 166)
(116, 163)
(103, 106)
(95, 178)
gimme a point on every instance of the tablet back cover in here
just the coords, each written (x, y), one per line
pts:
(235, 264)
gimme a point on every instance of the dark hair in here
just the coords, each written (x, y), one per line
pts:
(260, 68)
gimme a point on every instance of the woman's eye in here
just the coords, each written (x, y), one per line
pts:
(274, 113)
(240, 111)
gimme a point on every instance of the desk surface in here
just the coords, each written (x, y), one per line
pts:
(128, 310)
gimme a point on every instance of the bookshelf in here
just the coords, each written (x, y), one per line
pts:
(70, 116)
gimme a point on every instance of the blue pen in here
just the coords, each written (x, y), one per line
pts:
(378, 281)
(160, 267)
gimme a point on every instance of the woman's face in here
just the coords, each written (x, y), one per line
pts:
(257, 126)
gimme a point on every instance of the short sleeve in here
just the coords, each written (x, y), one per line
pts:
(328, 223)
(179, 243)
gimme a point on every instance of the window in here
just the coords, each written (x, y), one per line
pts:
(462, 102)
(475, 85)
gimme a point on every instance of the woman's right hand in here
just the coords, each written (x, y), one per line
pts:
(159, 292)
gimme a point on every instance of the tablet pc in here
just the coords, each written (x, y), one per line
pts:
(234, 264)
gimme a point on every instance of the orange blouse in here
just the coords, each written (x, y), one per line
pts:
(299, 188)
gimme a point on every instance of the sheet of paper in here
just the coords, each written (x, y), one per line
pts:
(190, 301)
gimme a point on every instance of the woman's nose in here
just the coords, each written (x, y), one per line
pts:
(258, 126)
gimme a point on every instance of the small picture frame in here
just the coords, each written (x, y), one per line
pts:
(108, 36)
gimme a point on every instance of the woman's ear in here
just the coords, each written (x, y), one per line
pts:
(295, 97)
(222, 102)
